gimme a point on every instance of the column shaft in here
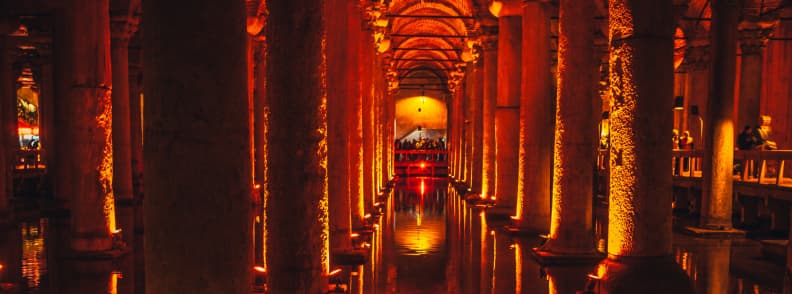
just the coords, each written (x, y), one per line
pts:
(261, 115)
(488, 112)
(477, 102)
(750, 85)
(571, 226)
(136, 119)
(536, 121)
(122, 147)
(641, 76)
(90, 115)
(716, 202)
(6, 161)
(297, 250)
(354, 107)
(197, 149)
(507, 114)
(62, 70)
(338, 66)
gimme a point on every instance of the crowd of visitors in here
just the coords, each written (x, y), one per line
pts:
(421, 144)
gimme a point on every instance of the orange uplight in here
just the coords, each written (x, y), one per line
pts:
(28, 131)
(423, 188)
(334, 272)
(354, 235)
(259, 269)
(116, 231)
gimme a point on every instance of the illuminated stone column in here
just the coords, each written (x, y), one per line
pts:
(197, 149)
(641, 78)
(261, 115)
(507, 114)
(490, 45)
(753, 37)
(339, 90)
(355, 114)
(536, 122)
(297, 247)
(90, 115)
(718, 165)
(122, 28)
(571, 229)
(367, 60)
(697, 63)
(476, 105)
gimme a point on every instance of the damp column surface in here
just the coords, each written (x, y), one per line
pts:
(197, 148)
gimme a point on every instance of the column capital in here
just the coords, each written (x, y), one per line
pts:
(697, 57)
(754, 36)
(122, 28)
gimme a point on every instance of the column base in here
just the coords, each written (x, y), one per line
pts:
(714, 233)
(523, 231)
(349, 257)
(499, 213)
(547, 258)
(648, 275)
(97, 248)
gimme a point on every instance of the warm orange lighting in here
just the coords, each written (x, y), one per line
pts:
(354, 235)
(117, 231)
(334, 272)
(423, 165)
(259, 269)
(367, 216)
(594, 277)
(257, 186)
(28, 131)
(423, 188)
(517, 267)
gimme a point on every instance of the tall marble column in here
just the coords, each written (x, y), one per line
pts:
(477, 103)
(354, 104)
(367, 72)
(507, 113)
(338, 92)
(490, 46)
(90, 120)
(136, 117)
(716, 202)
(571, 229)
(261, 115)
(753, 36)
(641, 38)
(121, 30)
(197, 149)
(297, 247)
(536, 122)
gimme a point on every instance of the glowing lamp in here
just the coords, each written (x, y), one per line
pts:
(354, 235)
(679, 103)
(259, 269)
(495, 8)
(423, 165)
(334, 272)
(383, 45)
(594, 277)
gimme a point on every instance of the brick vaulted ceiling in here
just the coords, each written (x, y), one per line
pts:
(431, 38)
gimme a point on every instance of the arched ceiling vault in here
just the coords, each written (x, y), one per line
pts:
(428, 37)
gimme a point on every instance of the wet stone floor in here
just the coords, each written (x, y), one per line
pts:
(428, 242)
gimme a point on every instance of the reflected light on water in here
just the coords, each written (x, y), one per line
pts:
(34, 260)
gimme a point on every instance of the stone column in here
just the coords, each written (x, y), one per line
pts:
(536, 122)
(122, 29)
(197, 148)
(354, 104)
(716, 202)
(261, 115)
(477, 101)
(136, 118)
(338, 91)
(7, 93)
(641, 78)
(297, 247)
(90, 120)
(59, 168)
(697, 63)
(753, 38)
(490, 79)
(571, 230)
(507, 114)
(367, 60)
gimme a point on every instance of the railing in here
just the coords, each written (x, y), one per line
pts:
(764, 167)
(432, 162)
(29, 160)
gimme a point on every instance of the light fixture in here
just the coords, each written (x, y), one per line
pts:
(679, 102)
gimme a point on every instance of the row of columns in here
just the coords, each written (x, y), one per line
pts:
(640, 185)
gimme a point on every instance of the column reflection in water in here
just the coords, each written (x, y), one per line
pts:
(706, 262)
